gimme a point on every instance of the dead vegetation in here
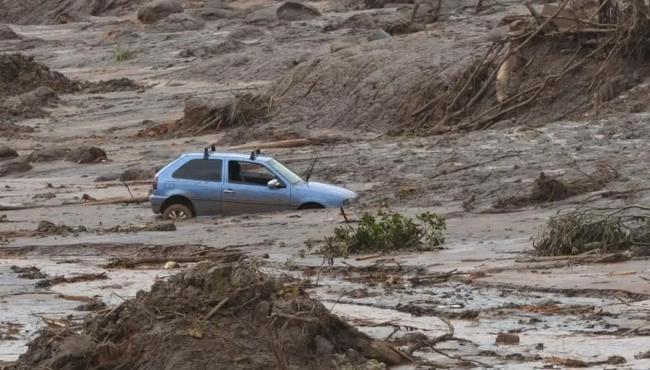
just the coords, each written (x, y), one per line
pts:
(550, 189)
(387, 231)
(226, 314)
(566, 61)
(202, 115)
(603, 231)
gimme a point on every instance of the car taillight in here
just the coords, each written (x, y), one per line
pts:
(155, 183)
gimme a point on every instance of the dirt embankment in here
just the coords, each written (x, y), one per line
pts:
(229, 314)
(60, 11)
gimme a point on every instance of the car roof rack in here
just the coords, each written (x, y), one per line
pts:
(255, 153)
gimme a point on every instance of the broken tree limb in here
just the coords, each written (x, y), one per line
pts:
(134, 262)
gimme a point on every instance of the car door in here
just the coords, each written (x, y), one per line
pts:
(201, 181)
(245, 189)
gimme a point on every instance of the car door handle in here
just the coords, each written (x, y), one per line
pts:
(228, 191)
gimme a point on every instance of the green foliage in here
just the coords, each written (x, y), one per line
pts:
(122, 54)
(581, 231)
(387, 231)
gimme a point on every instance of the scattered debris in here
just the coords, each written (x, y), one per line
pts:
(94, 305)
(49, 228)
(118, 84)
(201, 310)
(84, 154)
(72, 279)
(30, 272)
(224, 256)
(507, 338)
(387, 231)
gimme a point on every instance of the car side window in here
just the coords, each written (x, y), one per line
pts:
(248, 173)
(200, 169)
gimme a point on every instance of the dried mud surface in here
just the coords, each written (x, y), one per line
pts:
(93, 76)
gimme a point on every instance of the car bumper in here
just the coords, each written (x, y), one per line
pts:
(156, 202)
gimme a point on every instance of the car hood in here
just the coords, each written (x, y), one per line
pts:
(326, 188)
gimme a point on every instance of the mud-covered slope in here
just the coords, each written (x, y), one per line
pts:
(60, 11)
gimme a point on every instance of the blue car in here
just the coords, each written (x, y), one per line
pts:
(211, 183)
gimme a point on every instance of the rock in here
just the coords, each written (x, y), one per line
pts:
(171, 265)
(180, 22)
(291, 11)
(133, 174)
(507, 338)
(616, 360)
(7, 152)
(87, 154)
(642, 355)
(6, 33)
(213, 14)
(158, 10)
(340, 45)
(14, 167)
(379, 35)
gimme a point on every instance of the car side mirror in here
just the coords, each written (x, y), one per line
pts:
(273, 184)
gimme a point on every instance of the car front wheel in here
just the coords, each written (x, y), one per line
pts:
(177, 212)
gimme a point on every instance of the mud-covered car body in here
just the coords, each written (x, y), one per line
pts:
(228, 183)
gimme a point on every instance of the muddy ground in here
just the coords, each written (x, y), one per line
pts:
(566, 313)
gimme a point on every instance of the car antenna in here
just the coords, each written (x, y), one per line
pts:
(252, 158)
(213, 148)
(258, 151)
(311, 168)
(206, 155)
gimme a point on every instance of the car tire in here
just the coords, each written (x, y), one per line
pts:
(177, 212)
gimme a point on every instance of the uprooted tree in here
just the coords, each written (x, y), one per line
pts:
(552, 64)
(387, 231)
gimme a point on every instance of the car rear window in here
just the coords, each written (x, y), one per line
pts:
(200, 169)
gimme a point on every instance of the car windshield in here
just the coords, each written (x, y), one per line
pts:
(284, 171)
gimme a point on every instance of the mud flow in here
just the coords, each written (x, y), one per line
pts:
(499, 150)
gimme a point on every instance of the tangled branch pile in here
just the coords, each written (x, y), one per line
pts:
(387, 231)
(228, 316)
(202, 116)
(602, 230)
(563, 61)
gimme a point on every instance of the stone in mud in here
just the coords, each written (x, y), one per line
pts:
(6, 33)
(133, 174)
(507, 338)
(87, 154)
(292, 11)
(379, 35)
(14, 167)
(158, 10)
(180, 22)
(7, 152)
